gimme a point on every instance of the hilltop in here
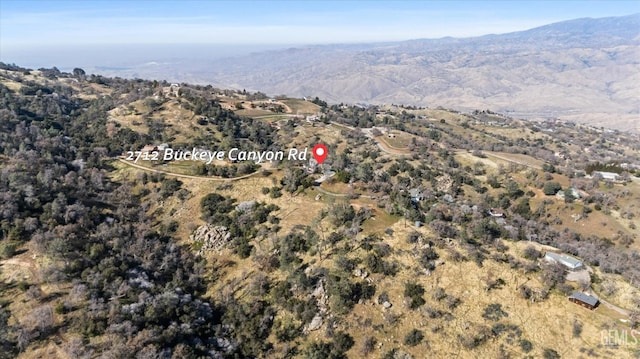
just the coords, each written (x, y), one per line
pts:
(424, 231)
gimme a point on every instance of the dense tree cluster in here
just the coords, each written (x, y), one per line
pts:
(130, 283)
(236, 131)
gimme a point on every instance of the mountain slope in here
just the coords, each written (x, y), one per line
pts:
(569, 70)
(586, 70)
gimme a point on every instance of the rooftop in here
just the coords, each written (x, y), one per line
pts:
(496, 212)
(584, 298)
(606, 175)
(562, 258)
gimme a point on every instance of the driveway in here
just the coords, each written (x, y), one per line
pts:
(584, 276)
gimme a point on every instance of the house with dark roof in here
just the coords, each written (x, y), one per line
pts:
(584, 300)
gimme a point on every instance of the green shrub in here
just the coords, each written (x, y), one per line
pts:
(275, 192)
(526, 345)
(551, 187)
(7, 249)
(413, 338)
(60, 308)
(494, 312)
(415, 292)
(342, 342)
(550, 354)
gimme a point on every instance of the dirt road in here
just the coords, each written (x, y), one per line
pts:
(219, 179)
(342, 195)
(584, 276)
(512, 160)
(611, 306)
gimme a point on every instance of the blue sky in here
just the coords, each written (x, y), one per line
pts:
(29, 23)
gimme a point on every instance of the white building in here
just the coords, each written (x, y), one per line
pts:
(569, 262)
(607, 175)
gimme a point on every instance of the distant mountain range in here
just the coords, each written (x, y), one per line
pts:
(587, 70)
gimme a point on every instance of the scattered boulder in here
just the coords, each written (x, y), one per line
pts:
(213, 238)
(321, 297)
(401, 354)
(315, 324)
(386, 304)
(245, 206)
(360, 273)
(444, 183)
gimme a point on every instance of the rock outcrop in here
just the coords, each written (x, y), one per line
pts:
(213, 238)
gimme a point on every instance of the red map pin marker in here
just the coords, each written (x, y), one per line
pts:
(320, 152)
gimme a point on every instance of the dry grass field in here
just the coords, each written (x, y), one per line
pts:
(254, 112)
(397, 139)
(517, 158)
(384, 143)
(302, 107)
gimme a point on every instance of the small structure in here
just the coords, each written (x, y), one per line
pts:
(448, 198)
(149, 149)
(584, 300)
(569, 262)
(611, 176)
(154, 152)
(496, 212)
(173, 90)
(325, 176)
(416, 195)
(311, 166)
